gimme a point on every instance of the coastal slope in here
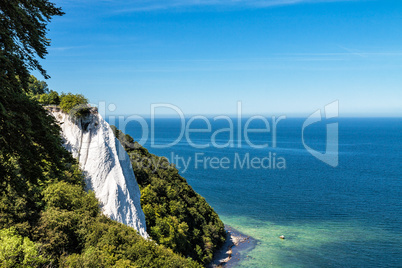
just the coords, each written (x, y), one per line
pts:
(106, 166)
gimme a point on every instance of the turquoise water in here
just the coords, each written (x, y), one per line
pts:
(347, 216)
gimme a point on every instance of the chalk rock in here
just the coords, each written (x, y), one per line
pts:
(106, 166)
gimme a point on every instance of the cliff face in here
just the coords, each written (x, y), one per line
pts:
(107, 167)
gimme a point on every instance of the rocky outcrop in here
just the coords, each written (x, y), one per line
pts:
(106, 166)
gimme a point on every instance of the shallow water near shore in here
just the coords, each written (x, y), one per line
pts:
(327, 244)
(348, 216)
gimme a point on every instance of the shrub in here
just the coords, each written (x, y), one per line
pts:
(50, 98)
(73, 102)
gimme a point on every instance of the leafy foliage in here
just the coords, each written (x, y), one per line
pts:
(23, 39)
(76, 104)
(31, 156)
(51, 98)
(176, 215)
(31, 152)
(15, 249)
(73, 224)
(37, 87)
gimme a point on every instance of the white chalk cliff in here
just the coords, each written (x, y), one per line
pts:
(106, 165)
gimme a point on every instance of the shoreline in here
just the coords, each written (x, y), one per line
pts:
(233, 250)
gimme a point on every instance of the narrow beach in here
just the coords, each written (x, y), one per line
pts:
(234, 250)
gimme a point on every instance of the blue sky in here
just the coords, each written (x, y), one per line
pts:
(277, 57)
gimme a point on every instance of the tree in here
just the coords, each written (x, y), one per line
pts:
(31, 149)
(53, 97)
(23, 39)
(36, 86)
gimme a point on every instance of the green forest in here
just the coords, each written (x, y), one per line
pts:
(47, 219)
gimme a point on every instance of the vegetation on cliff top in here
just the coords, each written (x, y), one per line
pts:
(74, 104)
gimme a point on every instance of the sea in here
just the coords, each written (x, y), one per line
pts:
(332, 188)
